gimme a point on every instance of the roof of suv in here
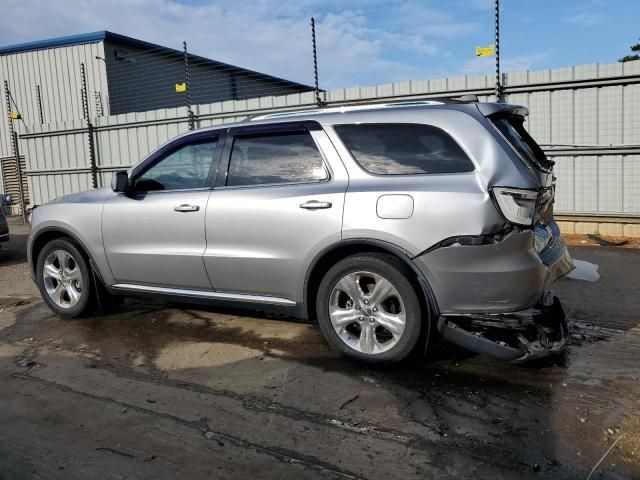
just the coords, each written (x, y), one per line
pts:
(363, 113)
(354, 113)
(322, 112)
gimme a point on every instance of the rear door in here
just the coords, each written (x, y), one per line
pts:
(278, 201)
(155, 235)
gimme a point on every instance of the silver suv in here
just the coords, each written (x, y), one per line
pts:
(381, 223)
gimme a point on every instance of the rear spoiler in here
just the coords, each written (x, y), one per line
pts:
(488, 109)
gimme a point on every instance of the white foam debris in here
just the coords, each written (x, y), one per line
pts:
(586, 271)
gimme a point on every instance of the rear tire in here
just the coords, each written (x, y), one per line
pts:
(369, 309)
(64, 278)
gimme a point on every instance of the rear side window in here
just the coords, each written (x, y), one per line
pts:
(276, 158)
(403, 149)
(512, 127)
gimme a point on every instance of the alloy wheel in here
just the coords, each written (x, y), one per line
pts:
(62, 279)
(367, 312)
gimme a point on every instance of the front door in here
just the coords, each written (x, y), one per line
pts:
(279, 204)
(155, 235)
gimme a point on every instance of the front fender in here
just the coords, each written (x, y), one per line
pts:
(82, 223)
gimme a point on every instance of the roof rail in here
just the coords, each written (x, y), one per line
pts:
(458, 99)
(369, 106)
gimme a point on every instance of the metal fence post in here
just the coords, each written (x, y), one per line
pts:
(498, 84)
(39, 100)
(187, 83)
(315, 62)
(504, 88)
(16, 151)
(92, 147)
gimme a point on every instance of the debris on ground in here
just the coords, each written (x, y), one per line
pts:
(586, 271)
(26, 362)
(607, 243)
(349, 400)
(604, 456)
(600, 240)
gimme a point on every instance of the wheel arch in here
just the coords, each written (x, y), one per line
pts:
(325, 259)
(48, 234)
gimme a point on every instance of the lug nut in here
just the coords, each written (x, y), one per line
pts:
(357, 307)
(375, 309)
(371, 319)
(366, 302)
(361, 319)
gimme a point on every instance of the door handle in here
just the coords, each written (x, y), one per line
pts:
(186, 208)
(315, 205)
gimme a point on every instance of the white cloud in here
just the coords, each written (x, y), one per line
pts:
(482, 4)
(434, 23)
(486, 65)
(585, 19)
(266, 35)
(360, 42)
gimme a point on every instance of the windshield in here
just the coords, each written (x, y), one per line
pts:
(512, 127)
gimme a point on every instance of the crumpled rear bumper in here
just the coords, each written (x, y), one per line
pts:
(535, 330)
(516, 337)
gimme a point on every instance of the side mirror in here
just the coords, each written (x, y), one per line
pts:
(120, 182)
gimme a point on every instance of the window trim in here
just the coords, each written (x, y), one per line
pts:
(173, 146)
(268, 129)
(400, 175)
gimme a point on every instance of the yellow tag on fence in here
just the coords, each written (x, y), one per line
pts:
(181, 87)
(15, 116)
(485, 51)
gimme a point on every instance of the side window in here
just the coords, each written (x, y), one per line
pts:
(275, 158)
(403, 149)
(185, 168)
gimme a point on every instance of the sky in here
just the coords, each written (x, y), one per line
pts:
(360, 42)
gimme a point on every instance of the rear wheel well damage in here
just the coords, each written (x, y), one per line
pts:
(328, 258)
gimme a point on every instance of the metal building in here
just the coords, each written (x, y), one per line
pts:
(122, 75)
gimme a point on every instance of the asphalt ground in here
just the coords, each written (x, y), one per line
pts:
(160, 390)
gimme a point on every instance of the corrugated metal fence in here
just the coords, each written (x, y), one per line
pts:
(587, 117)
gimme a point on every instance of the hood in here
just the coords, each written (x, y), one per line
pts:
(90, 196)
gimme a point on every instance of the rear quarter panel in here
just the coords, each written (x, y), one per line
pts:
(445, 205)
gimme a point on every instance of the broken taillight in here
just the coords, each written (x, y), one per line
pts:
(517, 205)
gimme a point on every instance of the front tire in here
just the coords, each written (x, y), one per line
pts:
(368, 308)
(64, 278)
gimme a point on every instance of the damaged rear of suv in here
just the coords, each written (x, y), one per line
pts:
(464, 191)
(493, 289)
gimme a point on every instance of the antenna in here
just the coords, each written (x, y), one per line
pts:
(315, 62)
